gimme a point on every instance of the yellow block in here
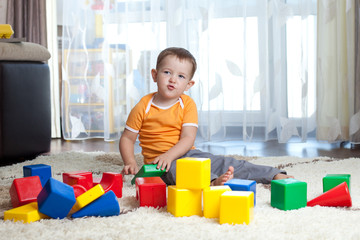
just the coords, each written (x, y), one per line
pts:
(184, 202)
(193, 173)
(87, 197)
(212, 200)
(236, 207)
(6, 31)
(27, 213)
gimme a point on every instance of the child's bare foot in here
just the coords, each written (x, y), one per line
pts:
(224, 178)
(282, 176)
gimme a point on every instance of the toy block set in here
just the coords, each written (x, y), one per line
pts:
(193, 195)
(38, 196)
(290, 194)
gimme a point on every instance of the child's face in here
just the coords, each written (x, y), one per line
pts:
(173, 78)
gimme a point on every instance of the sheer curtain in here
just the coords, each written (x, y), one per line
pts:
(256, 58)
(338, 113)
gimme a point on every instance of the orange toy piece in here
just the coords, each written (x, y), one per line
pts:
(338, 196)
(112, 181)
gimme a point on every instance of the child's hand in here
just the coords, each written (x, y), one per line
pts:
(163, 162)
(130, 169)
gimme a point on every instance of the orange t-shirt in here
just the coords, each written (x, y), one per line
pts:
(159, 128)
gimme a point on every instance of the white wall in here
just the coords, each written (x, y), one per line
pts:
(3, 4)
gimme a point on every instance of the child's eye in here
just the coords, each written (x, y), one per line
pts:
(182, 76)
(167, 72)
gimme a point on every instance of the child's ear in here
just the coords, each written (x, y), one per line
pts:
(190, 84)
(153, 74)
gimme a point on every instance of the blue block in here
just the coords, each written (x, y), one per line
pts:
(105, 206)
(242, 185)
(56, 199)
(41, 170)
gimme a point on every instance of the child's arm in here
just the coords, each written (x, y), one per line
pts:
(185, 143)
(126, 147)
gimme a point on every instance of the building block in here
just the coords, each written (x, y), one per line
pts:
(112, 181)
(27, 213)
(150, 192)
(236, 207)
(148, 170)
(288, 194)
(78, 189)
(211, 200)
(104, 206)
(6, 31)
(41, 170)
(79, 177)
(193, 173)
(184, 202)
(88, 197)
(332, 180)
(25, 190)
(338, 196)
(56, 199)
(242, 185)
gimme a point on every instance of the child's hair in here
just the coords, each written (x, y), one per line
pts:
(181, 54)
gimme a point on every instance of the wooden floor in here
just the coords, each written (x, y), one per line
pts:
(312, 148)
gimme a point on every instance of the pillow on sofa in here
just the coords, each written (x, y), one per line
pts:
(23, 51)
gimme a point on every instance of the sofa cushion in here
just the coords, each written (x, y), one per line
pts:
(23, 51)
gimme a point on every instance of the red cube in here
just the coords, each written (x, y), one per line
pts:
(151, 192)
(25, 190)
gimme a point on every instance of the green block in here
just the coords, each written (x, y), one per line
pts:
(148, 170)
(288, 194)
(332, 180)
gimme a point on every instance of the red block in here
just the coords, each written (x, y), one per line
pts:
(82, 178)
(25, 190)
(338, 196)
(78, 189)
(150, 191)
(112, 181)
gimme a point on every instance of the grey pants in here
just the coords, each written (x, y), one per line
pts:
(220, 164)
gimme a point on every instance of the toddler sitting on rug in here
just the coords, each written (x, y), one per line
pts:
(166, 122)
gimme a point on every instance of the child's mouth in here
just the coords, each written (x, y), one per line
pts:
(170, 87)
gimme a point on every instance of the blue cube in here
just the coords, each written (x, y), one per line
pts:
(56, 199)
(41, 170)
(104, 206)
(242, 185)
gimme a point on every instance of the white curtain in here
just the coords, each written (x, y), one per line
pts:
(256, 64)
(337, 117)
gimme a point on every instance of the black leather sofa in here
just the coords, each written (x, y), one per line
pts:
(25, 111)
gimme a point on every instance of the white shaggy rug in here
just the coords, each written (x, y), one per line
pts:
(149, 223)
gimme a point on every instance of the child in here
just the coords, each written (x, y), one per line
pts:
(166, 122)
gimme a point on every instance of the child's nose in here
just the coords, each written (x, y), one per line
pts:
(172, 79)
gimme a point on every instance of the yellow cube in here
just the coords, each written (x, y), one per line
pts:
(236, 207)
(212, 200)
(6, 31)
(193, 173)
(184, 202)
(87, 197)
(27, 213)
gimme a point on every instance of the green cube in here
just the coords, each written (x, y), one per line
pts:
(148, 170)
(332, 180)
(288, 194)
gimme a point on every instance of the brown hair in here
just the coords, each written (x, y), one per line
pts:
(181, 54)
